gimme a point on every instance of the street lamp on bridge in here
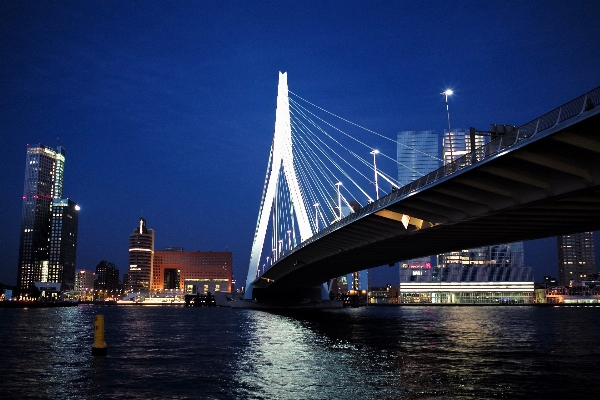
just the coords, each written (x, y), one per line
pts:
(339, 198)
(375, 152)
(446, 93)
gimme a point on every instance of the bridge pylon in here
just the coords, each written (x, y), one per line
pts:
(281, 164)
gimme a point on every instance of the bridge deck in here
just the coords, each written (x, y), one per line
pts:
(544, 186)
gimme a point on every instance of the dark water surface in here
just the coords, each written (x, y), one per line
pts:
(368, 353)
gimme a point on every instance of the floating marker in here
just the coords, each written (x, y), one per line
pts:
(99, 346)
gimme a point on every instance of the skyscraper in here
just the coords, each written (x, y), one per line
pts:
(417, 155)
(63, 244)
(141, 254)
(576, 258)
(43, 183)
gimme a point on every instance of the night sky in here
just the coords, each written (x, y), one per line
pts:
(166, 109)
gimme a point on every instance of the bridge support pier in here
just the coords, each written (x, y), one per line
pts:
(312, 297)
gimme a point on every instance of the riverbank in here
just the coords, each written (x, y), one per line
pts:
(37, 304)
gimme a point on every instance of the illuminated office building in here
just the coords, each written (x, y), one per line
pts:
(141, 252)
(484, 275)
(576, 258)
(44, 170)
(84, 280)
(63, 244)
(192, 271)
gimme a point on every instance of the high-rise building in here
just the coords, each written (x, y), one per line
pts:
(106, 278)
(44, 169)
(141, 254)
(63, 243)
(175, 269)
(576, 258)
(417, 155)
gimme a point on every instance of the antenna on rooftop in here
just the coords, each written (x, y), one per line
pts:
(58, 141)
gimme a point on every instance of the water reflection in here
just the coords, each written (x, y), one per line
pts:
(299, 355)
(382, 353)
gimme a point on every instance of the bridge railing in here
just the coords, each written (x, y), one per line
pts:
(572, 109)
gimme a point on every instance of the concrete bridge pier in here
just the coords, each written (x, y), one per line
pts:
(310, 297)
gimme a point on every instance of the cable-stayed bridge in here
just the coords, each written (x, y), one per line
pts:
(327, 210)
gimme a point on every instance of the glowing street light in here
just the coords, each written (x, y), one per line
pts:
(446, 93)
(375, 152)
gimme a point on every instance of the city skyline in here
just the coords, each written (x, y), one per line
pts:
(167, 112)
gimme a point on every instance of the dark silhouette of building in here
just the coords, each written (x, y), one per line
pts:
(63, 243)
(107, 278)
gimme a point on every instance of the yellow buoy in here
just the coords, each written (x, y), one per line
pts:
(99, 346)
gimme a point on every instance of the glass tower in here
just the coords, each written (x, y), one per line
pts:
(141, 254)
(43, 183)
(417, 155)
(63, 243)
(576, 258)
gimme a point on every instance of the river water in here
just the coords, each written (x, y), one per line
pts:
(367, 353)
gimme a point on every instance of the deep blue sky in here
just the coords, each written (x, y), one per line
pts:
(166, 109)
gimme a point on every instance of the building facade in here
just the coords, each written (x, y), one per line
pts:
(84, 280)
(141, 254)
(418, 155)
(63, 243)
(192, 271)
(106, 279)
(457, 143)
(472, 284)
(41, 256)
(576, 258)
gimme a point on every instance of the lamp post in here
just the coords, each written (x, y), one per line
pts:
(339, 198)
(316, 205)
(375, 152)
(447, 93)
